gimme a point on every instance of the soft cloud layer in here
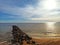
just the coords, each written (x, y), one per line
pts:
(32, 13)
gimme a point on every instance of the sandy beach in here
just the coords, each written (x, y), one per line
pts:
(47, 41)
(41, 41)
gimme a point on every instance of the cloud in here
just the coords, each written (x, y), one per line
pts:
(32, 13)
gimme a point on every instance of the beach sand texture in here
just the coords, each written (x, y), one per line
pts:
(41, 41)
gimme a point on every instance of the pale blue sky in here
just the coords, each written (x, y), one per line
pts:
(29, 11)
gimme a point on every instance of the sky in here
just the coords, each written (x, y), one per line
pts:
(12, 11)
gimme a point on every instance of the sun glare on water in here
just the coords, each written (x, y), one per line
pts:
(50, 26)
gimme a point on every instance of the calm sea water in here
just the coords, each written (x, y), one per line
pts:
(34, 29)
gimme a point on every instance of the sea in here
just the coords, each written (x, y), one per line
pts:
(47, 29)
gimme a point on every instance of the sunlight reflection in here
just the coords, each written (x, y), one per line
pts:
(50, 26)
